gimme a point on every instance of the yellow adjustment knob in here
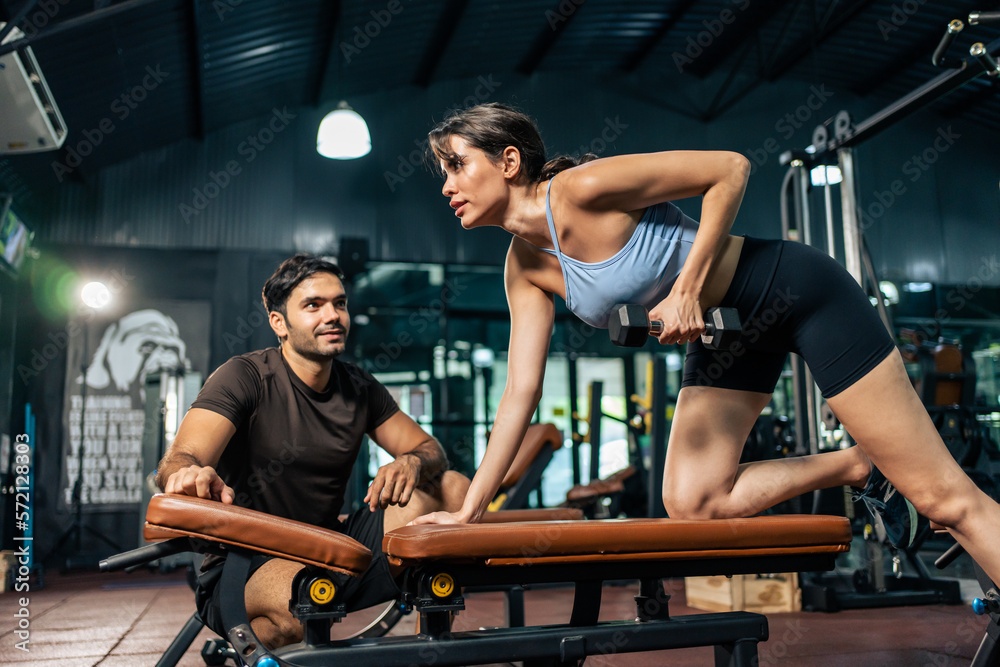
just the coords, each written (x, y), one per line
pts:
(322, 591)
(497, 503)
(442, 585)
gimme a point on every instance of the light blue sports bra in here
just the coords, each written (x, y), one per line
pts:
(642, 272)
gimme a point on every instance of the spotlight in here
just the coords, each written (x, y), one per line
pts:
(95, 295)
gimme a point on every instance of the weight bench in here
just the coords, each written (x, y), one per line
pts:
(440, 560)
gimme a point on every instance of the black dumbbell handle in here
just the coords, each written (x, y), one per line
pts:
(656, 326)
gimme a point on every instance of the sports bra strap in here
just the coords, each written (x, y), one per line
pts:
(548, 216)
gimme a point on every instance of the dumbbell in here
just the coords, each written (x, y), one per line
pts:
(629, 325)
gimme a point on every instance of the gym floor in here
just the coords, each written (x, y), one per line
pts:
(127, 620)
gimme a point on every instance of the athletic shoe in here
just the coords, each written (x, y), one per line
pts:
(890, 511)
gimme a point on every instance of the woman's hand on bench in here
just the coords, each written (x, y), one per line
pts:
(200, 482)
(439, 517)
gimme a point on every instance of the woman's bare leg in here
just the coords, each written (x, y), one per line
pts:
(884, 414)
(703, 478)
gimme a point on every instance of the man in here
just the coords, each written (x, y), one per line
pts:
(278, 431)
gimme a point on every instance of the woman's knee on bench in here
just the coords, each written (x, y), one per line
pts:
(692, 505)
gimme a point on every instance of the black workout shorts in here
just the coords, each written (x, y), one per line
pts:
(792, 298)
(374, 586)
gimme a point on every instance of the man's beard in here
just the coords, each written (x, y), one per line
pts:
(313, 353)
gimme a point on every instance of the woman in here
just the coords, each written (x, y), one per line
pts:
(602, 232)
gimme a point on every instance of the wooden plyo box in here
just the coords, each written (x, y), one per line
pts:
(761, 593)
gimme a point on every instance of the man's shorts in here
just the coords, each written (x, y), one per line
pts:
(792, 298)
(374, 586)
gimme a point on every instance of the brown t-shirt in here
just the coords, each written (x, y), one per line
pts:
(294, 447)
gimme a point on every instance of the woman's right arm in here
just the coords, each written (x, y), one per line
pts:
(532, 313)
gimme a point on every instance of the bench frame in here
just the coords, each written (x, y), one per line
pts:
(432, 586)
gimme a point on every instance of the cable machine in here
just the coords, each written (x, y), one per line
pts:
(832, 144)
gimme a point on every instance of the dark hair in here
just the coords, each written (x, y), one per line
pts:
(492, 128)
(292, 272)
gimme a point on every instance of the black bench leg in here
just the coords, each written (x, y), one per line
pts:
(742, 653)
(988, 654)
(514, 604)
(181, 642)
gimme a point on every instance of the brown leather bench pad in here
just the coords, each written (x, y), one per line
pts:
(171, 515)
(618, 540)
(533, 514)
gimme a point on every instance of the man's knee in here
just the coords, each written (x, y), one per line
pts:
(277, 630)
(447, 492)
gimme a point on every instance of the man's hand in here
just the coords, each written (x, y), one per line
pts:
(201, 482)
(394, 483)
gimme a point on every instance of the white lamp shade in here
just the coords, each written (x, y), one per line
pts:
(343, 135)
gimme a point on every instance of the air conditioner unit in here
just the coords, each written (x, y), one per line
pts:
(30, 121)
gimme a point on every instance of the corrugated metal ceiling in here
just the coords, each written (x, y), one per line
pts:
(217, 62)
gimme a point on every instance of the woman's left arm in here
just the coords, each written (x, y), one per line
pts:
(633, 182)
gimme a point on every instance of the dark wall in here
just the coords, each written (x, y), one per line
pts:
(224, 193)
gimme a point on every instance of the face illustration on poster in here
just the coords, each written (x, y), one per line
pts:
(108, 415)
(139, 343)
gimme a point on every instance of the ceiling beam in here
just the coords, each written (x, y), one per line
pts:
(74, 23)
(556, 20)
(828, 27)
(735, 36)
(720, 103)
(646, 46)
(17, 18)
(330, 19)
(437, 44)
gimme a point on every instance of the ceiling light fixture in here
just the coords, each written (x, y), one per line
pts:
(343, 135)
